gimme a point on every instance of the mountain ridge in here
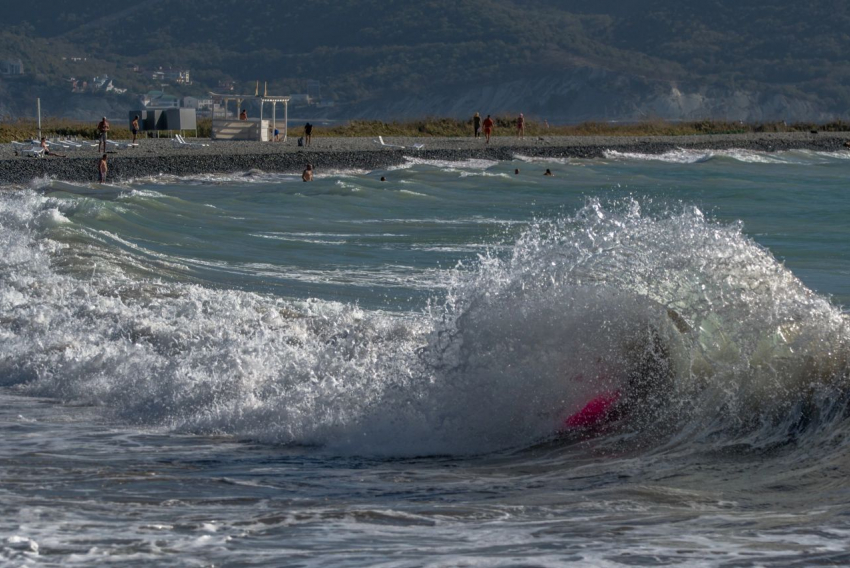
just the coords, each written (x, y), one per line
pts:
(396, 58)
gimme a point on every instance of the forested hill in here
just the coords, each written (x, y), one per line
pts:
(562, 59)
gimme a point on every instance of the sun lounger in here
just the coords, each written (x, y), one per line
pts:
(121, 145)
(70, 144)
(60, 144)
(27, 149)
(380, 141)
(180, 142)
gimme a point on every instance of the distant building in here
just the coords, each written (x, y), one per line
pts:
(102, 83)
(178, 76)
(197, 103)
(158, 100)
(11, 67)
(226, 85)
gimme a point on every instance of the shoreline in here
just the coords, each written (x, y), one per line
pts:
(159, 156)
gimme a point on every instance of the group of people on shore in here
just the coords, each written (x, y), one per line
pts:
(480, 127)
(488, 124)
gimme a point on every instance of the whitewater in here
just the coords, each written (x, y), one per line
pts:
(247, 369)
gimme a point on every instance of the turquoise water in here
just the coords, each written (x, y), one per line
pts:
(248, 369)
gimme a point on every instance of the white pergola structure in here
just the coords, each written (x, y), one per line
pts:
(225, 128)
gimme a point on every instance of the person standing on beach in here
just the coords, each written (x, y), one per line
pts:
(520, 126)
(307, 174)
(476, 125)
(308, 133)
(102, 168)
(102, 129)
(488, 128)
(134, 126)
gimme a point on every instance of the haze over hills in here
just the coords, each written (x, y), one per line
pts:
(563, 60)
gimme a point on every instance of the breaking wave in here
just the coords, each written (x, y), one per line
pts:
(701, 331)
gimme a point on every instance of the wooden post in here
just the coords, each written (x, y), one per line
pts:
(38, 104)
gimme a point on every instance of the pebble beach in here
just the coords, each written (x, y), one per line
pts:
(161, 156)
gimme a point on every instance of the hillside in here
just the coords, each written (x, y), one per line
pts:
(559, 59)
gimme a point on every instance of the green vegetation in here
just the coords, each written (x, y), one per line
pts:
(444, 127)
(56, 128)
(506, 126)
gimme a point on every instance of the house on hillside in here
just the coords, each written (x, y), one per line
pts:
(102, 83)
(159, 100)
(197, 103)
(11, 67)
(178, 76)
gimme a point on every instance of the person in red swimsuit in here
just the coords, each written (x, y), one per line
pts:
(488, 127)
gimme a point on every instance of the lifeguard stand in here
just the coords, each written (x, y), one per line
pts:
(260, 129)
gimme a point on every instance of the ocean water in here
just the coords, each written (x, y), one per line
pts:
(249, 370)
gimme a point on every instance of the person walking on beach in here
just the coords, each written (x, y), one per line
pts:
(488, 128)
(308, 133)
(307, 174)
(476, 125)
(102, 168)
(134, 126)
(102, 129)
(47, 151)
(520, 126)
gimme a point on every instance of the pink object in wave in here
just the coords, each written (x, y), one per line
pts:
(594, 412)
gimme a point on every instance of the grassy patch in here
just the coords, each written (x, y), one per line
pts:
(442, 127)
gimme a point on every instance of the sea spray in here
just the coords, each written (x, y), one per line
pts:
(578, 307)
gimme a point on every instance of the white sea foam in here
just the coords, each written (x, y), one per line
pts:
(299, 238)
(446, 165)
(520, 343)
(543, 160)
(691, 156)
